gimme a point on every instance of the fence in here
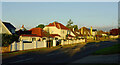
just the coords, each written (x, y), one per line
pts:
(117, 36)
(15, 46)
(72, 41)
(39, 44)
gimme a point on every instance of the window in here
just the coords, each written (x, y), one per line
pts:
(63, 32)
(44, 38)
(56, 38)
(33, 39)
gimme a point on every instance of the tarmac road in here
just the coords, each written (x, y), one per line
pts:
(62, 55)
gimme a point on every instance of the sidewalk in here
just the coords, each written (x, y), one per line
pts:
(99, 59)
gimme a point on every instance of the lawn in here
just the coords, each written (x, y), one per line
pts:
(109, 50)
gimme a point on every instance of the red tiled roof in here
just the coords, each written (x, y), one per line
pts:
(102, 32)
(58, 25)
(53, 35)
(70, 35)
(29, 35)
(40, 32)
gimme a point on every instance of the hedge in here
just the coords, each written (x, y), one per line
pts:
(7, 39)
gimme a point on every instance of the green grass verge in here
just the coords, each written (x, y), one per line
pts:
(109, 50)
(24, 51)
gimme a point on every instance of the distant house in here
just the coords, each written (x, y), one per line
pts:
(115, 32)
(93, 31)
(85, 31)
(75, 33)
(57, 28)
(7, 28)
(88, 31)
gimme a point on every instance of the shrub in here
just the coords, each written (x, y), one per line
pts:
(7, 39)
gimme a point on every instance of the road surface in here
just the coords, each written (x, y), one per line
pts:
(61, 55)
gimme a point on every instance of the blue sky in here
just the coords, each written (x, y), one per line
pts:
(101, 15)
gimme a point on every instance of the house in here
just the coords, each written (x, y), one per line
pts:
(70, 37)
(57, 28)
(56, 36)
(29, 37)
(85, 31)
(20, 32)
(40, 32)
(101, 33)
(88, 32)
(94, 32)
(23, 30)
(76, 33)
(7, 28)
(115, 32)
(37, 34)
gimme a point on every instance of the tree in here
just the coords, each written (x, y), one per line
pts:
(75, 27)
(40, 26)
(69, 24)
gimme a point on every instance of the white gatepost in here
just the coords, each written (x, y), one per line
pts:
(54, 43)
(79, 40)
(62, 42)
(45, 43)
(35, 44)
(67, 41)
(21, 45)
(84, 40)
(73, 42)
(14, 46)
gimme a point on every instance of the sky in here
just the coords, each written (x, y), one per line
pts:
(100, 15)
(60, 0)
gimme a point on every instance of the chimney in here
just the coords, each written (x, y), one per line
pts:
(59, 26)
(82, 30)
(54, 23)
(73, 29)
(22, 26)
(91, 30)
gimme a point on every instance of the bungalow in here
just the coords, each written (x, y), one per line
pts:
(7, 28)
(57, 28)
(29, 37)
(37, 34)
